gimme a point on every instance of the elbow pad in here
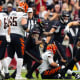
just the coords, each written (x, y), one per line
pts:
(25, 26)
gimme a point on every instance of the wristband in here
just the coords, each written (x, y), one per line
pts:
(62, 67)
(57, 65)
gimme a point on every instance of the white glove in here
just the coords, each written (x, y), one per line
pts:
(58, 65)
(69, 72)
(62, 67)
(8, 38)
(66, 30)
(44, 39)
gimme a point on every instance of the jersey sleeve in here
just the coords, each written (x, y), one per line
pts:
(55, 25)
(13, 13)
(50, 57)
(0, 17)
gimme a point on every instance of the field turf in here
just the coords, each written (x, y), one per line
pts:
(35, 78)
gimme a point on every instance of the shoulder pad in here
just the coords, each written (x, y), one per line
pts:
(13, 13)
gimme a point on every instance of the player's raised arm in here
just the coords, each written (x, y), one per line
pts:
(53, 29)
(73, 23)
(49, 33)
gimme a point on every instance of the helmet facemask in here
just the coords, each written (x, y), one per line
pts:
(65, 17)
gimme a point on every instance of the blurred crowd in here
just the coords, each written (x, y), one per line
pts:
(48, 9)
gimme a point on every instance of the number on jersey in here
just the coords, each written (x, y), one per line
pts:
(5, 23)
(13, 21)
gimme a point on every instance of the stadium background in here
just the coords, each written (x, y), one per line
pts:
(70, 5)
(48, 2)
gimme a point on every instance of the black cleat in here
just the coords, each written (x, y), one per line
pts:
(29, 76)
(13, 76)
(7, 76)
(77, 76)
(69, 77)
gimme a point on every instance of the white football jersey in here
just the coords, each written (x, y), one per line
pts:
(45, 65)
(15, 21)
(4, 23)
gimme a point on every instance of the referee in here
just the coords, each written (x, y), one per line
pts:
(31, 22)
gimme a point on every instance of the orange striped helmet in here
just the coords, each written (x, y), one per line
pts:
(1, 8)
(24, 6)
(52, 48)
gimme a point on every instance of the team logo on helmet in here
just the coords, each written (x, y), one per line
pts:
(52, 48)
(23, 6)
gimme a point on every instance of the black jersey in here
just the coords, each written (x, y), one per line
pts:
(77, 38)
(59, 33)
(73, 32)
(30, 44)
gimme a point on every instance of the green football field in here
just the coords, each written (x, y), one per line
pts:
(24, 73)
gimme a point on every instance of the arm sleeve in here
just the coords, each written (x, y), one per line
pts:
(54, 26)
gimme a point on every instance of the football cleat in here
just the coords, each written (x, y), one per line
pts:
(7, 76)
(77, 76)
(18, 77)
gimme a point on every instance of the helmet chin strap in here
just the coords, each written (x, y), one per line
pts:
(65, 21)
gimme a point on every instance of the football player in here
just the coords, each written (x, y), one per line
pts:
(49, 69)
(32, 46)
(18, 22)
(59, 36)
(76, 49)
(4, 38)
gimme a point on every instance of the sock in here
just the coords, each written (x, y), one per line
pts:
(5, 65)
(0, 66)
(33, 68)
(19, 66)
(78, 66)
(8, 60)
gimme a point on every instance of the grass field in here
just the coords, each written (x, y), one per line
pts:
(24, 73)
